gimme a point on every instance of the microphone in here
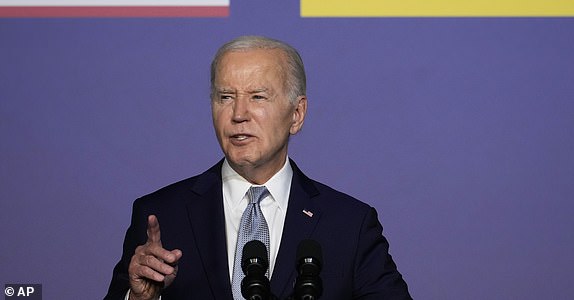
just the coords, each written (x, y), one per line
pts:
(309, 285)
(255, 285)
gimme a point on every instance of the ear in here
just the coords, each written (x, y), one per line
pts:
(299, 112)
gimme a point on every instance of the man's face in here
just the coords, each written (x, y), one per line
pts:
(252, 115)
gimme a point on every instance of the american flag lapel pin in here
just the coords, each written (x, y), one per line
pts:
(308, 213)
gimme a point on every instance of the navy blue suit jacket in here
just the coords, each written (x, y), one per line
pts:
(356, 263)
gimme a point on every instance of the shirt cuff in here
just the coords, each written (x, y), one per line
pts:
(128, 296)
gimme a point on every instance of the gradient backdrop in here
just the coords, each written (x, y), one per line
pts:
(460, 131)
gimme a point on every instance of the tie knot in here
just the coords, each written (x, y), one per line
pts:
(256, 194)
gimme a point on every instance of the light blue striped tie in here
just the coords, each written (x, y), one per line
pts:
(252, 227)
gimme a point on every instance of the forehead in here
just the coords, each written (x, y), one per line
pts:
(251, 62)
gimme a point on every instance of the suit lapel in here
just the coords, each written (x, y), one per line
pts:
(300, 221)
(206, 217)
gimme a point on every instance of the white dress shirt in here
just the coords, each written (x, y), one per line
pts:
(273, 206)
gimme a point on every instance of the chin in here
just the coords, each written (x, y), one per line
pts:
(240, 160)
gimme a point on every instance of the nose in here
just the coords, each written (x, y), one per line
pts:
(241, 109)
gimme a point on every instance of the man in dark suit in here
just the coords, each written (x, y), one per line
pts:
(258, 101)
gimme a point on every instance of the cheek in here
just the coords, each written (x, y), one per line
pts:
(216, 124)
(279, 128)
(218, 116)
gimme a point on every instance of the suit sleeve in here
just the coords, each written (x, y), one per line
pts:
(376, 275)
(135, 236)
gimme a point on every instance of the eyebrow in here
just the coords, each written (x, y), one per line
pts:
(233, 91)
(258, 90)
(225, 90)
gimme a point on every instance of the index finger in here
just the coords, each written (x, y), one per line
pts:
(153, 232)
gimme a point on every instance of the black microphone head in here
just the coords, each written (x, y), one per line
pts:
(254, 263)
(309, 252)
(254, 254)
(309, 262)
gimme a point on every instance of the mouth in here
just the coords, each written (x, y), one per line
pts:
(240, 138)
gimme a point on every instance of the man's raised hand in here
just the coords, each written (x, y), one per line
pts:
(152, 267)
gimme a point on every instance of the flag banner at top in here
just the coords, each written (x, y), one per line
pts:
(437, 8)
(113, 8)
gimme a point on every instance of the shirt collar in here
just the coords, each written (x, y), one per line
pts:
(235, 187)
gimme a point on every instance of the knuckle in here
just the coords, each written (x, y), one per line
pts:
(134, 261)
(141, 249)
(149, 260)
(134, 271)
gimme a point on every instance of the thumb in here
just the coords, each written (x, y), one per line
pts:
(168, 280)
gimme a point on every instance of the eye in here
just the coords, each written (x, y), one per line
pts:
(258, 97)
(225, 97)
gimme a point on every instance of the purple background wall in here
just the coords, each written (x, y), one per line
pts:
(459, 131)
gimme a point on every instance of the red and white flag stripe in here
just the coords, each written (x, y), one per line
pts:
(114, 8)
